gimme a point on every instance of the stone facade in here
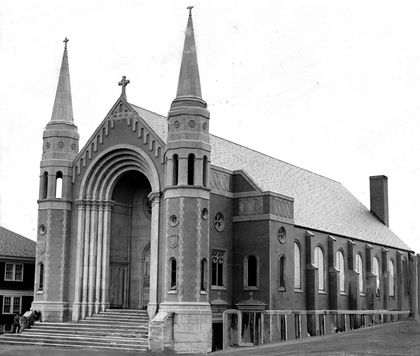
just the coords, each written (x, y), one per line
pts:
(154, 212)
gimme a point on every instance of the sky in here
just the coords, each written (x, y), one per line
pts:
(330, 86)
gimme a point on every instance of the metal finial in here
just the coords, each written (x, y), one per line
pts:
(123, 83)
(65, 42)
(190, 8)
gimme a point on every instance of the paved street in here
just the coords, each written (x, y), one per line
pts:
(401, 338)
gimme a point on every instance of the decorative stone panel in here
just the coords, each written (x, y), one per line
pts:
(283, 208)
(251, 206)
(220, 181)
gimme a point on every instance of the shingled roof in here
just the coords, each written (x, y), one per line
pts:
(15, 245)
(320, 203)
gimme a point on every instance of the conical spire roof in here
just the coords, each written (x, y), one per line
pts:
(189, 78)
(63, 109)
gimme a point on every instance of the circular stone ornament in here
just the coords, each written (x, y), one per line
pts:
(204, 126)
(219, 222)
(281, 235)
(42, 229)
(47, 145)
(60, 144)
(173, 220)
(176, 124)
(191, 124)
(73, 146)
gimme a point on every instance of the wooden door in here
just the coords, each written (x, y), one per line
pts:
(118, 285)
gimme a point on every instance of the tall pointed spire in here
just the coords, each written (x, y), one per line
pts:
(189, 78)
(63, 109)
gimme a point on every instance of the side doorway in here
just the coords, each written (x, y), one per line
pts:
(118, 287)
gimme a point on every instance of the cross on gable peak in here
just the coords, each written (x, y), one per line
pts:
(65, 42)
(123, 83)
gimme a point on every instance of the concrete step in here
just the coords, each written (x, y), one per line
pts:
(113, 340)
(22, 341)
(89, 331)
(113, 329)
(115, 318)
(98, 324)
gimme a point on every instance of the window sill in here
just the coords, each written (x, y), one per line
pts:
(251, 288)
(173, 292)
(323, 292)
(343, 294)
(218, 288)
(203, 292)
(362, 294)
(13, 280)
(39, 292)
(298, 290)
(282, 289)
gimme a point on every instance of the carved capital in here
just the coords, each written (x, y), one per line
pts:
(154, 197)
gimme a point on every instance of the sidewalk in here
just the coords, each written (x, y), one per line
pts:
(399, 338)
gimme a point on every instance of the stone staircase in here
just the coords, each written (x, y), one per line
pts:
(114, 329)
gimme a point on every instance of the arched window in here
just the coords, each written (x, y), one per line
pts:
(282, 280)
(375, 271)
(359, 269)
(191, 161)
(44, 185)
(252, 271)
(319, 263)
(340, 268)
(203, 275)
(297, 266)
(391, 279)
(175, 169)
(205, 163)
(173, 273)
(41, 276)
(59, 185)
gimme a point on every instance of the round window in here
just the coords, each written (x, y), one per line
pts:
(281, 234)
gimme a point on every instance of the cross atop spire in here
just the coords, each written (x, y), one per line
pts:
(123, 83)
(190, 8)
(65, 42)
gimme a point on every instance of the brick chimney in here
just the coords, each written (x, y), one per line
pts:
(379, 198)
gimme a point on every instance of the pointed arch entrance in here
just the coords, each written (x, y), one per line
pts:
(118, 217)
(130, 234)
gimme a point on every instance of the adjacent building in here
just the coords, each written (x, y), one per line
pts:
(17, 268)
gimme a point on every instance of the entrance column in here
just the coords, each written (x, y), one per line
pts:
(81, 215)
(154, 246)
(105, 254)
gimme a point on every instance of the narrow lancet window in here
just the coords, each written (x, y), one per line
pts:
(252, 271)
(340, 268)
(297, 266)
(319, 263)
(175, 170)
(44, 185)
(41, 276)
(359, 269)
(173, 273)
(391, 279)
(191, 161)
(282, 280)
(59, 185)
(203, 282)
(205, 164)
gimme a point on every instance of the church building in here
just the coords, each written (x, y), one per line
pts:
(156, 213)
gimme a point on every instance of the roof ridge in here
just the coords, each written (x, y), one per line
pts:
(264, 154)
(153, 112)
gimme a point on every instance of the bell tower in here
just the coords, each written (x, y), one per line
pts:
(60, 147)
(187, 204)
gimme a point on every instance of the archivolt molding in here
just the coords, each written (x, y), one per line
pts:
(103, 172)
